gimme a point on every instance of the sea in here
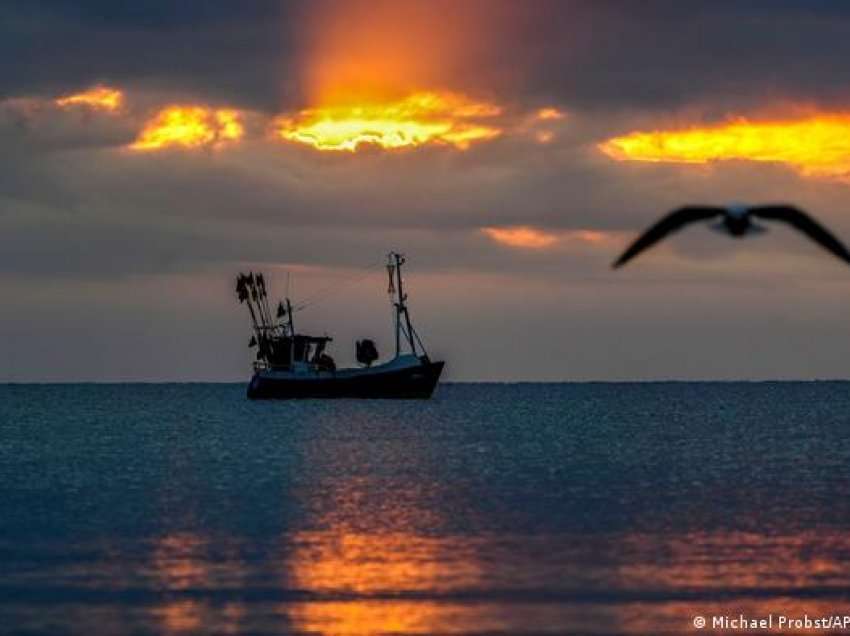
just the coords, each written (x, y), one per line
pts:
(587, 508)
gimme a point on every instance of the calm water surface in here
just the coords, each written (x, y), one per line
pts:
(562, 508)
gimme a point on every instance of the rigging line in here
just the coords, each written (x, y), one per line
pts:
(328, 291)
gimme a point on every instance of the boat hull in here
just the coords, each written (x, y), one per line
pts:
(408, 382)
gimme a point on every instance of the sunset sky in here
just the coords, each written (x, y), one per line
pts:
(152, 150)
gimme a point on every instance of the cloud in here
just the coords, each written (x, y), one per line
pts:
(32, 125)
(441, 118)
(96, 98)
(421, 118)
(526, 237)
(521, 236)
(277, 56)
(813, 144)
(727, 56)
(190, 126)
(238, 50)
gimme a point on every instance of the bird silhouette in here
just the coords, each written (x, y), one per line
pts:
(737, 221)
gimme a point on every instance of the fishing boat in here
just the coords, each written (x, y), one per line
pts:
(294, 365)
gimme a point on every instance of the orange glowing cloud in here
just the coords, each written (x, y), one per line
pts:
(426, 117)
(522, 236)
(98, 97)
(548, 114)
(815, 145)
(591, 236)
(541, 125)
(190, 127)
(528, 237)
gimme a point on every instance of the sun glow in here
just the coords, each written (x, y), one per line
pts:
(98, 97)
(814, 145)
(422, 118)
(190, 127)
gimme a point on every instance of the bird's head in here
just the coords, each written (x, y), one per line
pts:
(737, 210)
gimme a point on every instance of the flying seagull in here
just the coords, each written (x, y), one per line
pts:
(737, 221)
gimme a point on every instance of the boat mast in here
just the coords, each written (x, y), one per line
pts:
(394, 263)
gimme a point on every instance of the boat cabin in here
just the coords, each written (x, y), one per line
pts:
(291, 352)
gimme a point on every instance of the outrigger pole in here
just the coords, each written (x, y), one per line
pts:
(243, 292)
(251, 290)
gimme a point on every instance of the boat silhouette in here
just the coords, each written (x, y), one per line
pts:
(292, 365)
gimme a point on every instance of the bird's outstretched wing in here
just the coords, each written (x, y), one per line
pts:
(669, 224)
(805, 224)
